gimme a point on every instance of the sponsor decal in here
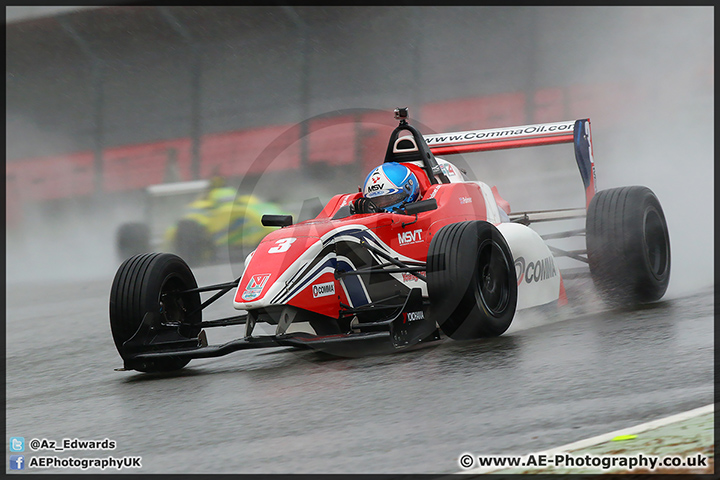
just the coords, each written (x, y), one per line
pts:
(434, 192)
(323, 289)
(409, 277)
(413, 316)
(538, 271)
(249, 295)
(408, 238)
(543, 129)
(376, 182)
(448, 169)
(464, 200)
(255, 286)
(519, 269)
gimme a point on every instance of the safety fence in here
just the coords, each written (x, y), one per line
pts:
(335, 141)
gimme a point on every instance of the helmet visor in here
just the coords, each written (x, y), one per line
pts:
(384, 200)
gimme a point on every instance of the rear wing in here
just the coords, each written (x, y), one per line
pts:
(178, 188)
(577, 132)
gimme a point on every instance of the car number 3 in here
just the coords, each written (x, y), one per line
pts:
(283, 245)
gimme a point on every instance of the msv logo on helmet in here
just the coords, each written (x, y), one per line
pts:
(391, 185)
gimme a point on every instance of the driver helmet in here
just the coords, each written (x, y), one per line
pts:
(391, 185)
(222, 195)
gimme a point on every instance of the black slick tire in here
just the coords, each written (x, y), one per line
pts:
(628, 246)
(131, 239)
(149, 283)
(472, 285)
(193, 243)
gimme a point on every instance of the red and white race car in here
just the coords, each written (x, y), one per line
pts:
(456, 263)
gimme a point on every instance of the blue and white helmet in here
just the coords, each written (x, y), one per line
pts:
(391, 185)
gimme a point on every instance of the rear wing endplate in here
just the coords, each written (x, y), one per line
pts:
(577, 132)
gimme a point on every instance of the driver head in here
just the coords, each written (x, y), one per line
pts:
(390, 186)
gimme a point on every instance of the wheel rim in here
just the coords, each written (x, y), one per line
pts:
(492, 284)
(172, 306)
(656, 245)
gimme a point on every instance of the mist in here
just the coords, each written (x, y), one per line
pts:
(648, 74)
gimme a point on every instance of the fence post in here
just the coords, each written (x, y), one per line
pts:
(195, 88)
(303, 33)
(97, 68)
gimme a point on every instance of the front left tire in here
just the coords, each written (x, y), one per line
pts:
(471, 280)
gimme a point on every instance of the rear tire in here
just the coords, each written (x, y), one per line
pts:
(628, 246)
(193, 243)
(471, 281)
(145, 283)
(131, 239)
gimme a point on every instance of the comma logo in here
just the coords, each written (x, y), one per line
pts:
(519, 269)
(538, 271)
(323, 289)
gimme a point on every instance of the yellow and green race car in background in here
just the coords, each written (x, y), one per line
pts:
(216, 223)
(219, 221)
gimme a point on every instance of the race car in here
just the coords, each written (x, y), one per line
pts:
(455, 263)
(200, 220)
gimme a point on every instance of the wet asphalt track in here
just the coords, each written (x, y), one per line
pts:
(553, 378)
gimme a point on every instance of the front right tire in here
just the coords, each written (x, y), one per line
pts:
(151, 283)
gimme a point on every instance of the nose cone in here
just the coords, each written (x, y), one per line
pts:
(275, 261)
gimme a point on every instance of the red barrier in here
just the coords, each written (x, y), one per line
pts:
(137, 166)
(336, 140)
(49, 178)
(235, 154)
(473, 113)
(333, 140)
